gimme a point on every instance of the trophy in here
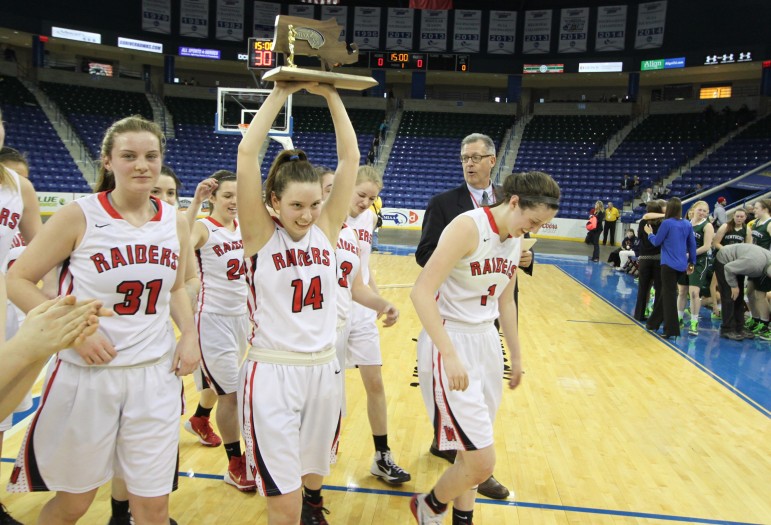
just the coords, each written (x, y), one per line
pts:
(306, 37)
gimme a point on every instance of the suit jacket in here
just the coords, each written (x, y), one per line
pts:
(442, 209)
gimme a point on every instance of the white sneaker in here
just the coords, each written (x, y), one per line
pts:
(384, 467)
(423, 513)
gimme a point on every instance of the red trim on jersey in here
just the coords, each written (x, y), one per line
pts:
(492, 221)
(214, 221)
(277, 221)
(104, 200)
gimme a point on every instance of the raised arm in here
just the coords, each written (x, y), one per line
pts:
(719, 234)
(335, 208)
(202, 192)
(256, 223)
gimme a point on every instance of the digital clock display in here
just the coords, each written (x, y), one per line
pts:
(261, 55)
(448, 62)
(397, 60)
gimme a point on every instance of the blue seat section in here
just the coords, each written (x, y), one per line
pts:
(566, 148)
(28, 130)
(424, 159)
(196, 152)
(92, 110)
(746, 151)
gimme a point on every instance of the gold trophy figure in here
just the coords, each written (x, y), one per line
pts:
(305, 37)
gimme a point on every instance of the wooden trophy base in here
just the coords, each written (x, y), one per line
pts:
(339, 80)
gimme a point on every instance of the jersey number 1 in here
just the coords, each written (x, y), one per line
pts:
(132, 299)
(312, 297)
(490, 293)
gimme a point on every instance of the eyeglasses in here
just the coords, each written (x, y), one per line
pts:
(476, 158)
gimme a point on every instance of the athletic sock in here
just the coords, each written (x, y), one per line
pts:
(119, 508)
(381, 443)
(233, 449)
(312, 496)
(202, 412)
(462, 517)
(437, 506)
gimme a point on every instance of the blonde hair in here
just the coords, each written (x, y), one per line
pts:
(598, 206)
(6, 180)
(369, 174)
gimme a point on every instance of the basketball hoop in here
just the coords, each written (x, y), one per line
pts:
(243, 128)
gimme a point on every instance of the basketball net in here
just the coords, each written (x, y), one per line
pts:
(284, 140)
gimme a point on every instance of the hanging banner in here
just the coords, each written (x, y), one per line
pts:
(502, 33)
(301, 10)
(433, 30)
(651, 18)
(264, 21)
(399, 28)
(194, 18)
(574, 30)
(156, 16)
(537, 33)
(366, 27)
(338, 13)
(611, 28)
(230, 20)
(467, 31)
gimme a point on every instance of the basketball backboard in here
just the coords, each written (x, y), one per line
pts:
(239, 105)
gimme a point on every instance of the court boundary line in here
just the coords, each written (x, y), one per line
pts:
(503, 503)
(741, 395)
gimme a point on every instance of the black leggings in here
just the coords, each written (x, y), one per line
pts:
(667, 309)
(649, 273)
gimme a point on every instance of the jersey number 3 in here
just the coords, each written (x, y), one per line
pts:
(132, 299)
(312, 297)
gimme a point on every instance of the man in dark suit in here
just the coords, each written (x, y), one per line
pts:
(477, 155)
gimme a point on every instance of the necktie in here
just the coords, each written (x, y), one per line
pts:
(485, 199)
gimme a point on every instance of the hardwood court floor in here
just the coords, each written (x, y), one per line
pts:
(610, 426)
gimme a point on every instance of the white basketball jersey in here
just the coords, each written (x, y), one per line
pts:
(11, 209)
(293, 292)
(364, 224)
(221, 269)
(348, 264)
(470, 293)
(132, 270)
(17, 246)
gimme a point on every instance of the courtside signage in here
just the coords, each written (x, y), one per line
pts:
(74, 34)
(140, 45)
(600, 67)
(197, 52)
(543, 68)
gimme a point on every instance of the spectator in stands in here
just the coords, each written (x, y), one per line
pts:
(719, 214)
(696, 188)
(383, 130)
(656, 191)
(636, 183)
(646, 197)
(749, 209)
(649, 263)
(15, 160)
(627, 183)
(376, 145)
(678, 257)
(598, 213)
(611, 218)
(732, 264)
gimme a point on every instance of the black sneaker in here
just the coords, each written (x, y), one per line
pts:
(5, 518)
(313, 514)
(383, 467)
(127, 520)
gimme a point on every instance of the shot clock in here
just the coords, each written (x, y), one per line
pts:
(261, 55)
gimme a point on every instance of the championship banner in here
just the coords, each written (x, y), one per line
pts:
(230, 20)
(366, 27)
(399, 28)
(574, 30)
(264, 21)
(338, 13)
(467, 31)
(537, 37)
(301, 10)
(194, 18)
(651, 18)
(502, 33)
(611, 28)
(156, 16)
(433, 30)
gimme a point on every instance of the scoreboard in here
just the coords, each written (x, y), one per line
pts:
(261, 55)
(405, 60)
